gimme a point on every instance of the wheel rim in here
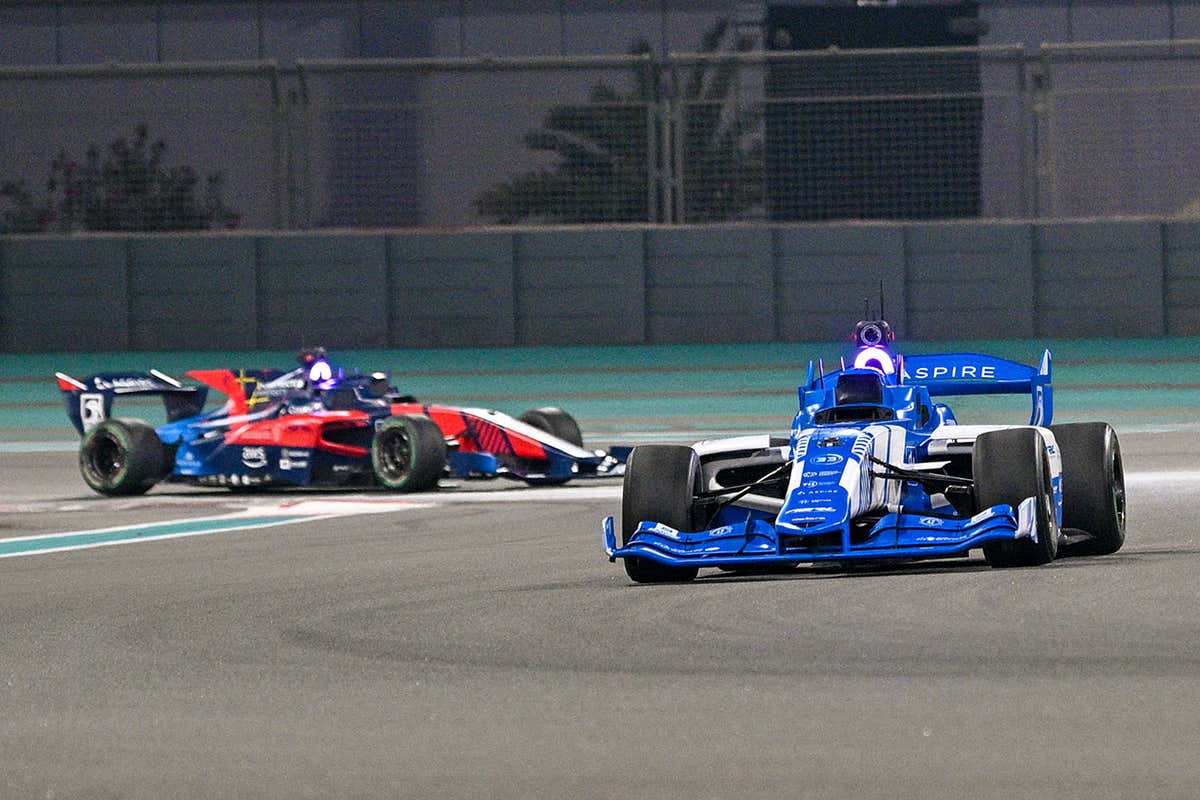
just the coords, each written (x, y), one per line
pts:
(106, 457)
(1049, 510)
(396, 455)
(1118, 484)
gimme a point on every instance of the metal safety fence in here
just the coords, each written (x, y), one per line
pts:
(989, 132)
(142, 147)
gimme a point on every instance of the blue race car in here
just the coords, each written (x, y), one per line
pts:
(875, 469)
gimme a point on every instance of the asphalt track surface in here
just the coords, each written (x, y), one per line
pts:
(477, 644)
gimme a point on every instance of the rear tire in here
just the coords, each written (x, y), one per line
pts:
(555, 422)
(408, 453)
(660, 485)
(1009, 466)
(1093, 486)
(121, 457)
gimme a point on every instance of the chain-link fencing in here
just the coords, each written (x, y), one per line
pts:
(989, 132)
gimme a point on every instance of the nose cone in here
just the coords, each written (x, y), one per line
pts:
(827, 473)
(814, 509)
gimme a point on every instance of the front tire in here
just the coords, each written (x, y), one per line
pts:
(558, 423)
(660, 485)
(555, 422)
(1009, 466)
(1093, 486)
(121, 457)
(408, 453)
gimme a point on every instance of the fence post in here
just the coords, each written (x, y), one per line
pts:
(1043, 139)
(653, 153)
(676, 112)
(301, 162)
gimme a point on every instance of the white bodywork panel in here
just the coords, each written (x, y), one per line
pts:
(959, 439)
(884, 442)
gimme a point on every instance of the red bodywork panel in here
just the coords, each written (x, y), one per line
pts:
(473, 431)
(476, 433)
(225, 382)
(302, 431)
(289, 430)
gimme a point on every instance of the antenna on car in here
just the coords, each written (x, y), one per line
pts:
(821, 367)
(881, 314)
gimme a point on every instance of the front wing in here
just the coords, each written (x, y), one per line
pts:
(756, 541)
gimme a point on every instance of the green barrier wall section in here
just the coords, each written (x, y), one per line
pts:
(624, 285)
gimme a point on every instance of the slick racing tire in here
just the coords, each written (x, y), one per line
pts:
(555, 422)
(660, 485)
(408, 453)
(122, 457)
(1009, 466)
(1093, 485)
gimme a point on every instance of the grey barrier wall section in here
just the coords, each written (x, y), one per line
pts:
(1181, 276)
(709, 284)
(451, 290)
(65, 294)
(825, 274)
(1099, 278)
(586, 286)
(969, 280)
(192, 292)
(620, 285)
(316, 288)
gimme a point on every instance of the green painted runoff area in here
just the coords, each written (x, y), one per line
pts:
(1138, 383)
(62, 541)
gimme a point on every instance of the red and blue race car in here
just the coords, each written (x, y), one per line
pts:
(313, 426)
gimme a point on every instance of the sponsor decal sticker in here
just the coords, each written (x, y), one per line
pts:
(91, 410)
(254, 457)
(828, 458)
(964, 371)
(293, 459)
(126, 384)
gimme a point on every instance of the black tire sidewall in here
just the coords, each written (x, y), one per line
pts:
(427, 453)
(142, 455)
(1093, 474)
(659, 486)
(556, 422)
(1009, 466)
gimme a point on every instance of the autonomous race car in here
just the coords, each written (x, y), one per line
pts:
(875, 469)
(313, 426)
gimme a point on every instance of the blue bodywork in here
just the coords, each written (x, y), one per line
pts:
(883, 479)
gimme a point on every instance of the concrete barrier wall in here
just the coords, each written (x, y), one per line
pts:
(622, 285)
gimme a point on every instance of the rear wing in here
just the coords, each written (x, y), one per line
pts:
(89, 401)
(975, 373)
(968, 374)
